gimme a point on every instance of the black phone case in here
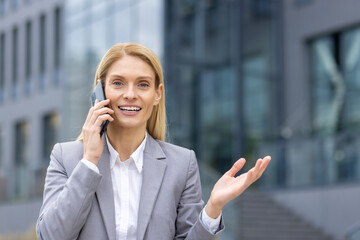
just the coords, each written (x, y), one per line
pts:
(100, 95)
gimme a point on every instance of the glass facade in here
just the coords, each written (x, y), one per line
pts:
(92, 27)
(221, 94)
(50, 125)
(2, 7)
(2, 172)
(58, 49)
(329, 155)
(222, 82)
(335, 71)
(20, 172)
(42, 53)
(28, 57)
(334, 74)
(15, 65)
(2, 67)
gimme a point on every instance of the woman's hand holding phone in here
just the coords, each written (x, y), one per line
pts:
(93, 144)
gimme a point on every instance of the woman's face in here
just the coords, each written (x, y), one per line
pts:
(130, 86)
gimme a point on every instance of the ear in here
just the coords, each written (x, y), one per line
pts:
(158, 96)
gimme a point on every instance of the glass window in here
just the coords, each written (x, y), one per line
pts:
(2, 171)
(350, 59)
(335, 74)
(2, 66)
(258, 103)
(14, 4)
(21, 143)
(302, 2)
(50, 127)
(1, 153)
(57, 44)
(28, 56)
(217, 32)
(2, 7)
(256, 97)
(19, 176)
(14, 61)
(328, 85)
(261, 8)
(217, 108)
(42, 48)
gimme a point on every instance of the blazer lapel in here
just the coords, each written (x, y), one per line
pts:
(153, 173)
(105, 193)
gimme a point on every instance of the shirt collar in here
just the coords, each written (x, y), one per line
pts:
(137, 155)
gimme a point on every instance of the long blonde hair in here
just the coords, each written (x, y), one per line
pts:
(156, 124)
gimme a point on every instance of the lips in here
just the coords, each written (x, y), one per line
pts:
(129, 108)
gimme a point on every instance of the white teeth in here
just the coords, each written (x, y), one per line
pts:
(130, 108)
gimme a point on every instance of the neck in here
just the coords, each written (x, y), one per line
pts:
(125, 140)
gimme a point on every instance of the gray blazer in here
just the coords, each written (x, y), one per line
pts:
(78, 203)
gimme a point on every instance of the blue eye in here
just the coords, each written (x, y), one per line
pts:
(117, 83)
(143, 85)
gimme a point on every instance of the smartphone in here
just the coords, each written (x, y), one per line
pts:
(100, 95)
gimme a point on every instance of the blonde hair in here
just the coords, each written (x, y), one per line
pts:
(156, 124)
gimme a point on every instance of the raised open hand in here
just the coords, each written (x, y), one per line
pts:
(229, 187)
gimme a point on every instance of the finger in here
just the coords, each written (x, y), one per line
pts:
(264, 165)
(100, 104)
(236, 167)
(103, 118)
(99, 112)
(254, 171)
(102, 111)
(92, 109)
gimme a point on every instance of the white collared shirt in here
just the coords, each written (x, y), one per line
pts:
(127, 181)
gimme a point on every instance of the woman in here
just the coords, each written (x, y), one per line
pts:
(129, 183)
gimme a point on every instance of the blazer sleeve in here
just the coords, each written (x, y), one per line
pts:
(188, 224)
(67, 199)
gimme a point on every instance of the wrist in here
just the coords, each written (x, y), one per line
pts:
(212, 210)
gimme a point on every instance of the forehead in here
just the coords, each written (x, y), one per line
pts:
(131, 66)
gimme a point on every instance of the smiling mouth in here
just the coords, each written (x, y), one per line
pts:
(130, 109)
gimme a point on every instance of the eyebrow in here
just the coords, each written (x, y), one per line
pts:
(120, 76)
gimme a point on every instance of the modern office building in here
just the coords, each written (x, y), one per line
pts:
(49, 51)
(255, 77)
(31, 105)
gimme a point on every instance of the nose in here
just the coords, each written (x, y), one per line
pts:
(130, 92)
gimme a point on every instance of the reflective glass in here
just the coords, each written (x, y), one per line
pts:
(15, 62)
(180, 105)
(50, 124)
(28, 57)
(20, 174)
(217, 107)
(122, 25)
(256, 96)
(350, 48)
(149, 25)
(217, 32)
(327, 85)
(2, 66)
